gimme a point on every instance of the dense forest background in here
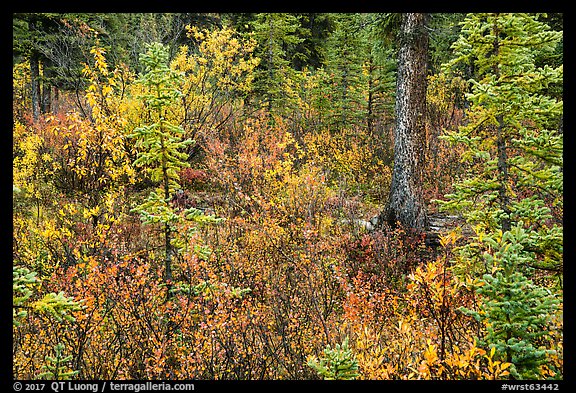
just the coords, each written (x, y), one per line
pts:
(287, 196)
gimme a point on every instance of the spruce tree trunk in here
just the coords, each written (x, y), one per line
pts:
(370, 102)
(35, 84)
(46, 95)
(405, 203)
(270, 60)
(501, 146)
(167, 230)
(503, 176)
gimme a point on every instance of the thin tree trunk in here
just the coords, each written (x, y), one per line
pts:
(167, 230)
(501, 147)
(506, 222)
(35, 84)
(370, 103)
(405, 203)
(46, 101)
(270, 60)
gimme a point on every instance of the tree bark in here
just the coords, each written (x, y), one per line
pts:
(406, 203)
(167, 229)
(46, 96)
(370, 103)
(35, 84)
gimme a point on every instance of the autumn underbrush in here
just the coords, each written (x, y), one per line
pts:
(259, 306)
(258, 295)
(282, 282)
(266, 292)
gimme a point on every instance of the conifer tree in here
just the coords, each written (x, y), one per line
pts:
(513, 196)
(163, 154)
(338, 363)
(512, 137)
(406, 203)
(514, 310)
(55, 368)
(275, 33)
(56, 305)
(161, 143)
(31, 31)
(346, 51)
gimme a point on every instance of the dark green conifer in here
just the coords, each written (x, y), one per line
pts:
(513, 195)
